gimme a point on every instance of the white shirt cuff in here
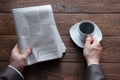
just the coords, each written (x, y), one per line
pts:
(16, 70)
(92, 64)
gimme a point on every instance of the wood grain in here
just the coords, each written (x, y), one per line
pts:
(105, 13)
(108, 23)
(110, 52)
(65, 6)
(3, 65)
(55, 70)
(68, 71)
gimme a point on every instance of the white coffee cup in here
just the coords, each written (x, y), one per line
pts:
(86, 27)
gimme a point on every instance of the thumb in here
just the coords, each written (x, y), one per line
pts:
(88, 40)
(16, 49)
(27, 52)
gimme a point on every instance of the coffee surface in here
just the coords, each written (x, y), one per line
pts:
(86, 28)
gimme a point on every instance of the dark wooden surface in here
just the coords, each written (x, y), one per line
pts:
(105, 13)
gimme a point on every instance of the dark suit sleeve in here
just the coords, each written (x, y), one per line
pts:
(95, 72)
(10, 74)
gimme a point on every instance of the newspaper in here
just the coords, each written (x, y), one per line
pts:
(36, 28)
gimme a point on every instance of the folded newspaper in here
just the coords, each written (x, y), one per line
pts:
(36, 28)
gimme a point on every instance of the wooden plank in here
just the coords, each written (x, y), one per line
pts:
(68, 71)
(64, 71)
(6, 24)
(85, 6)
(55, 71)
(3, 65)
(111, 49)
(6, 45)
(108, 23)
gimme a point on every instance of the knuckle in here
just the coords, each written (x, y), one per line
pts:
(97, 48)
(88, 40)
(99, 44)
(24, 58)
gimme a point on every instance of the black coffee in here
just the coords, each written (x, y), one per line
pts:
(86, 27)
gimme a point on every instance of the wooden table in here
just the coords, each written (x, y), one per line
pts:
(105, 13)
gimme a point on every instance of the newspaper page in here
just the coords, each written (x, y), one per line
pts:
(36, 28)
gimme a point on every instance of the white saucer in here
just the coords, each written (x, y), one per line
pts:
(76, 37)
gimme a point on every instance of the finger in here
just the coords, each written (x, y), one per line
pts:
(95, 42)
(88, 40)
(27, 52)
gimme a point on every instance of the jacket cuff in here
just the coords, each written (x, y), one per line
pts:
(10, 74)
(16, 70)
(95, 72)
